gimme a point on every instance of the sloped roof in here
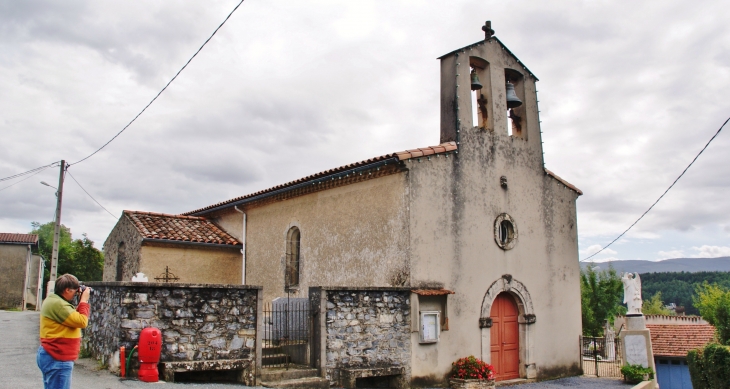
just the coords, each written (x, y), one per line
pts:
(676, 340)
(400, 155)
(181, 228)
(566, 183)
(432, 292)
(481, 42)
(12, 238)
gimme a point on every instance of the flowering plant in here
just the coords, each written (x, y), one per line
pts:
(472, 368)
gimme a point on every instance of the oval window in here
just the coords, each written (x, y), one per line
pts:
(505, 231)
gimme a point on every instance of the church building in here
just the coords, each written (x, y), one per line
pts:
(483, 234)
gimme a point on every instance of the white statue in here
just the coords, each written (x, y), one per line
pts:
(140, 277)
(632, 293)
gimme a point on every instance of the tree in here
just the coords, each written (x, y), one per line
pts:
(601, 296)
(655, 306)
(713, 301)
(78, 257)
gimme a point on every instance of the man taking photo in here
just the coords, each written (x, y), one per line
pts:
(61, 326)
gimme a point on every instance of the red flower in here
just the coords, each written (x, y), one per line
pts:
(472, 368)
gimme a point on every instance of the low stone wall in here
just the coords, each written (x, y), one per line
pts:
(199, 322)
(361, 332)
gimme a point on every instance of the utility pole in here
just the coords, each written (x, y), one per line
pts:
(56, 235)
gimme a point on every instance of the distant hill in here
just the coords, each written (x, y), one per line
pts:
(690, 265)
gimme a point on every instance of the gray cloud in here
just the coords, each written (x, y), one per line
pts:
(286, 89)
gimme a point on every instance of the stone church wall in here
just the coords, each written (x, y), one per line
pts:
(124, 231)
(198, 322)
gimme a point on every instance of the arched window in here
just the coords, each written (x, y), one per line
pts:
(291, 273)
(121, 257)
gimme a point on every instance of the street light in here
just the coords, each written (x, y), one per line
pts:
(47, 184)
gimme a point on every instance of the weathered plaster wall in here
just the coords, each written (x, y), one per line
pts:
(355, 235)
(198, 322)
(31, 293)
(13, 259)
(123, 231)
(193, 264)
(454, 203)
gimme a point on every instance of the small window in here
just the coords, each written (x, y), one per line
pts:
(505, 231)
(291, 273)
(121, 258)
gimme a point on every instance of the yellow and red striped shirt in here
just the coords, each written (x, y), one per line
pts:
(61, 326)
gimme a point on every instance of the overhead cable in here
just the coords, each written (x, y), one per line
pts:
(38, 171)
(163, 89)
(29, 171)
(660, 197)
(87, 193)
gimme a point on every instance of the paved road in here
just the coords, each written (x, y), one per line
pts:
(18, 369)
(578, 382)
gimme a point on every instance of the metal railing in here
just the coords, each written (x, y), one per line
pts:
(287, 326)
(600, 356)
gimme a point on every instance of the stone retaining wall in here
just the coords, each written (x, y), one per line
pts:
(365, 330)
(198, 322)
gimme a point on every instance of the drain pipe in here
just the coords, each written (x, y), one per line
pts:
(243, 243)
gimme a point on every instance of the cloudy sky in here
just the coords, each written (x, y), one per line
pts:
(629, 93)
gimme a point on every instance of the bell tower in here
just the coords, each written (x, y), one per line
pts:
(485, 86)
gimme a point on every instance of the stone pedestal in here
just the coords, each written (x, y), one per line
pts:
(457, 383)
(636, 342)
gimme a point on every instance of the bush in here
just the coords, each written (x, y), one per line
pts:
(713, 301)
(709, 367)
(472, 368)
(634, 374)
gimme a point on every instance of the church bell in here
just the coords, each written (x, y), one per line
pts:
(512, 100)
(475, 84)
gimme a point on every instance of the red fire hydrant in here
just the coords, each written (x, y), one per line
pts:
(150, 343)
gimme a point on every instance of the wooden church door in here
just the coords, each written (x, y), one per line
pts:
(505, 338)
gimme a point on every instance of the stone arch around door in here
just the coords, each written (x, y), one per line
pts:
(518, 290)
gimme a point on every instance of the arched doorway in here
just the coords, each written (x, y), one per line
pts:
(505, 337)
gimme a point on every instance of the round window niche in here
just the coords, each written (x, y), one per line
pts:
(505, 231)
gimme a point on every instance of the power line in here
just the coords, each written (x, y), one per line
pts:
(92, 197)
(665, 192)
(163, 89)
(30, 176)
(29, 171)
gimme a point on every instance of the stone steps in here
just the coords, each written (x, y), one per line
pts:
(292, 378)
(306, 382)
(279, 374)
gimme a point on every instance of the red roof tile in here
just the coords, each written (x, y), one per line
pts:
(676, 340)
(7, 237)
(178, 227)
(401, 155)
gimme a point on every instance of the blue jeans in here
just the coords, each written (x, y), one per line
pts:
(56, 374)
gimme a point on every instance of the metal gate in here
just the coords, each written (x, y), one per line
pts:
(601, 357)
(287, 329)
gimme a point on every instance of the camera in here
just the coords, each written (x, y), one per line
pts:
(82, 288)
